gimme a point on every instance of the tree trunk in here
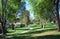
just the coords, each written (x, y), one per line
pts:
(3, 27)
(13, 26)
(56, 11)
(3, 21)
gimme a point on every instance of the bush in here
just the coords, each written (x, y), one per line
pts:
(22, 25)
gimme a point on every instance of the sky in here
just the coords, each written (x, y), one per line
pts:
(28, 7)
(59, 7)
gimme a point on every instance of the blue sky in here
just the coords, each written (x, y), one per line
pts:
(59, 7)
(28, 7)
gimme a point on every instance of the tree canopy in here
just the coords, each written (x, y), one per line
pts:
(42, 8)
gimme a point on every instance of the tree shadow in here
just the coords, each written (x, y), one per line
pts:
(1, 36)
(39, 37)
(48, 37)
(22, 29)
(35, 32)
(28, 35)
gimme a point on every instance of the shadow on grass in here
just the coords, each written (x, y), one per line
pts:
(35, 32)
(22, 29)
(1, 36)
(48, 37)
(28, 35)
(40, 37)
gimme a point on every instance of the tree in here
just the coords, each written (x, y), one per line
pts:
(56, 11)
(25, 17)
(43, 9)
(12, 8)
(9, 11)
(0, 7)
(3, 21)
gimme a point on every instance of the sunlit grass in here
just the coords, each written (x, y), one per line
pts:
(36, 31)
(34, 28)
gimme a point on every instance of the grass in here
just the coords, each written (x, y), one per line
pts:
(34, 28)
(36, 33)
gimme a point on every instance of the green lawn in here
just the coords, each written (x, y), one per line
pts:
(36, 32)
(32, 28)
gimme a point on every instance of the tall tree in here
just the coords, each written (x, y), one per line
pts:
(56, 11)
(13, 7)
(42, 8)
(3, 21)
